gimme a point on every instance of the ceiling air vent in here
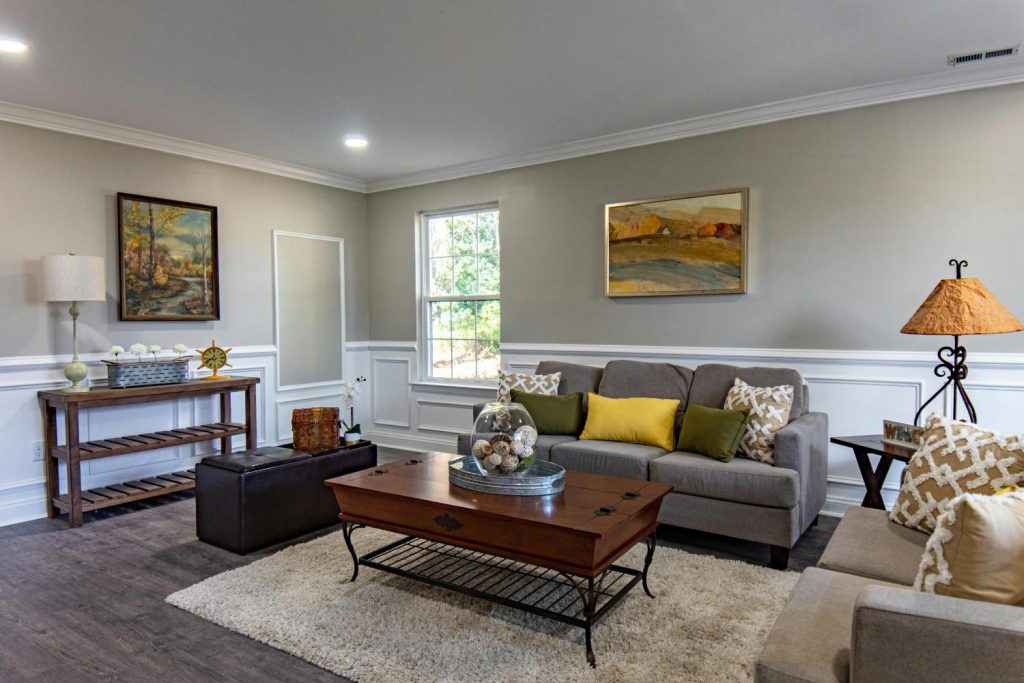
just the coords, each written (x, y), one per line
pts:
(974, 57)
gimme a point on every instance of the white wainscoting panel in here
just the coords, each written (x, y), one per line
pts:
(391, 376)
(856, 389)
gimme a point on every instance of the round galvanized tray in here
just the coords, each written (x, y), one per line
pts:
(543, 479)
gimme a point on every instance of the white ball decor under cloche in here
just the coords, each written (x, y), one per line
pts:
(504, 438)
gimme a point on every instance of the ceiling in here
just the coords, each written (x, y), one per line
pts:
(464, 85)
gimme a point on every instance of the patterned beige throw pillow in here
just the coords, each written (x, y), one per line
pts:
(769, 409)
(954, 458)
(977, 550)
(524, 381)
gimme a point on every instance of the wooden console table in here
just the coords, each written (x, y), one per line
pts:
(73, 452)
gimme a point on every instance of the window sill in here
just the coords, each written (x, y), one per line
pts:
(455, 386)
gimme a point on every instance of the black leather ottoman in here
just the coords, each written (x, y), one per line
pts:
(254, 498)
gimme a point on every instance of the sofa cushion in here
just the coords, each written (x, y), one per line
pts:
(546, 441)
(576, 378)
(955, 458)
(712, 382)
(867, 544)
(632, 420)
(769, 409)
(977, 550)
(552, 414)
(741, 481)
(631, 379)
(523, 381)
(606, 457)
(811, 639)
(713, 432)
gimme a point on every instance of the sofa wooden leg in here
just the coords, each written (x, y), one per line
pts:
(779, 557)
(816, 518)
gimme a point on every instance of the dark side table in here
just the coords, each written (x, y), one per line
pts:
(872, 444)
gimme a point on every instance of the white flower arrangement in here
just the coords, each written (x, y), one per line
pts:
(350, 392)
(137, 350)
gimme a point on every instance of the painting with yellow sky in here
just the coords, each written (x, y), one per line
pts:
(690, 244)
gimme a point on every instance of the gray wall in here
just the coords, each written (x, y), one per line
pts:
(57, 195)
(854, 216)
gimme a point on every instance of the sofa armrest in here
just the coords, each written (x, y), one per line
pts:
(802, 445)
(901, 634)
(477, 407)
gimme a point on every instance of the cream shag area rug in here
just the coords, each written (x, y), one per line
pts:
(708, 623)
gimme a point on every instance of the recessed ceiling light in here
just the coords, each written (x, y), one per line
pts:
(356, 142)
(12, 46)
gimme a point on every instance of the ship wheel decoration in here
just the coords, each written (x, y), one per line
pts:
(214, 358)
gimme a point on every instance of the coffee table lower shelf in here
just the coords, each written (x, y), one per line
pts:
(578, 601)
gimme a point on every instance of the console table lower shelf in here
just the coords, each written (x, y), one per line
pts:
(130, 491)
(577, 601)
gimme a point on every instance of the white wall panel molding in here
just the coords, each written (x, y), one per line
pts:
(857, 389)
(391, 377)
(444, 416)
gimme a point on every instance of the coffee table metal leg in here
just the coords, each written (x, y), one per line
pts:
(591, 604)
(652, 543)
(346, 529)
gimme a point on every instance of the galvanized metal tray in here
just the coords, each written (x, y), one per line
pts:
(542, 479)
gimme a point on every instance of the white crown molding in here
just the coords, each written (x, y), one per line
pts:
(938, 83)
(90, 128)
(747, 355)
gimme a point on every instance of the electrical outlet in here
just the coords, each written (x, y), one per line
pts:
(37, 451)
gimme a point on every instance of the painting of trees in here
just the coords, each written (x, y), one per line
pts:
(168, 259)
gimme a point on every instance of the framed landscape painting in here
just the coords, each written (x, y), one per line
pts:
(688, 244)
(167, 260)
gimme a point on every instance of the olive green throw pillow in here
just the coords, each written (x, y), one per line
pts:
(553, 414)
(712, 432)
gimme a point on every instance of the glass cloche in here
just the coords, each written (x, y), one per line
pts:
(504, 438)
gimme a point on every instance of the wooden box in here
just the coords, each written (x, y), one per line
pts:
(315, 430)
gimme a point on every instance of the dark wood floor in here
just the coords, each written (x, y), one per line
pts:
(88, 604)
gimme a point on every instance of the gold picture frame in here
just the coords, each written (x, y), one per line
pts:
(680, 245)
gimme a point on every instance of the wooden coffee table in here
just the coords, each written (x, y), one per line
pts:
(550, 555)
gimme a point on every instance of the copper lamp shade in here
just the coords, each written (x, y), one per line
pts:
(962, 306)
(959, 306)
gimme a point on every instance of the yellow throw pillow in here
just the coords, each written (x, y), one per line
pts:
(977, 550)
(632, 420)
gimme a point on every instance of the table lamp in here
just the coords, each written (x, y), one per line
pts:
(74, 278)
(959, 306)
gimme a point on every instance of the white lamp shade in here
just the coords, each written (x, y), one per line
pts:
(70, 277)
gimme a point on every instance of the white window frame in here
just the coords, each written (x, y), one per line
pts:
(423, 310)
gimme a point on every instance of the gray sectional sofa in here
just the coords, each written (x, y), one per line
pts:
(743, 499)
(856, 618)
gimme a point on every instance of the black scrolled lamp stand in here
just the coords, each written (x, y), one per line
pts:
(953, 366)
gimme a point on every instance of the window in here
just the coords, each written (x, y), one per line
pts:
(462, 293)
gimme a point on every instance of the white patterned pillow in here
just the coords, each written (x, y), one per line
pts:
(769, 409)
(523, 381)
(954, 458)
(977, 550)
